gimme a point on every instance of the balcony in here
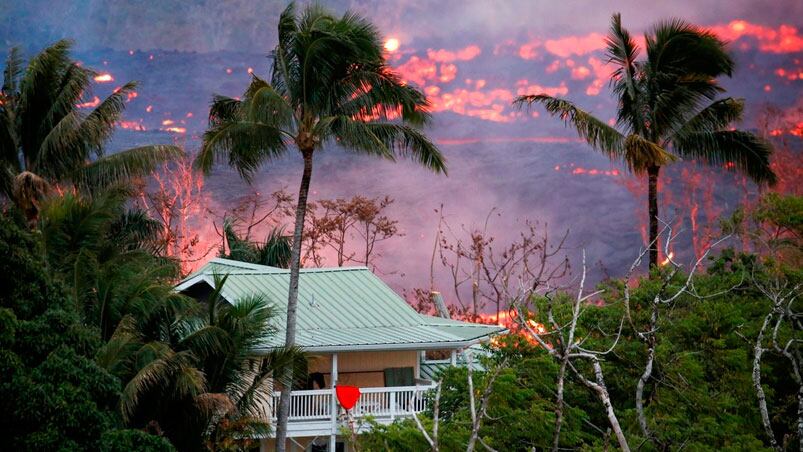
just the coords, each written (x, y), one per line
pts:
(311, 411)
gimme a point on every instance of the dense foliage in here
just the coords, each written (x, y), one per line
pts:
(52, 393)
(701, 394)
(99, 352)
(46, 139)
(700, 398)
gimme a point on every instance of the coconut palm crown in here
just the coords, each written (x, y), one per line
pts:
(329, 84)
(669, 108)
(47, 139)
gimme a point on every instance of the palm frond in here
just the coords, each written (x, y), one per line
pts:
(40, 79)
(598, 134)
(125, 165)
(716, 116)
(674, 100)
(621, 47)
(388, 140)
(72, 87)
(276, 251)
(285, 70)
(163, 369)
(622, 50)
(11, 75)
(70, 142)
(379, 92)
(224, 109)
(246, 145)
(263, 104)
(9, 94)
(99, 124)
(135, 229)
(251, 396)
(208, 341)
(732, 149)
(61, 149)
(677, 47)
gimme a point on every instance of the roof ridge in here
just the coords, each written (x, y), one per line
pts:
(267, 270)
(239, 264)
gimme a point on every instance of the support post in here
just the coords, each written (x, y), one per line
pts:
(453, 359)
(392, 395)
(333, 436)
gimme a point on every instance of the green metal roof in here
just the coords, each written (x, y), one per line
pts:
(340, 309)
(431, 369)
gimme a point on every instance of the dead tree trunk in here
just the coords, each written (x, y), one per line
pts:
(565, 349)
(599, 387)
(758, 351)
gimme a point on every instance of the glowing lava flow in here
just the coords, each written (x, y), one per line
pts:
(577, 170)
(104, 78)
(90, 104)
(131, 125)
(392, 45)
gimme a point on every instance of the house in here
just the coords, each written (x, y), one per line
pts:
(358, 332)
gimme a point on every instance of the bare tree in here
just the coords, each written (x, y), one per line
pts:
(174, 197)
(560, 341)
(668, 292)
(782, 316)
(350, 228)
(432, 439)
(478, 413)
(372, 226)
(253, 210)
(483, 271)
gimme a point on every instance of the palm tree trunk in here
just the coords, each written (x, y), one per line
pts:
(292, 299)
(652, 174)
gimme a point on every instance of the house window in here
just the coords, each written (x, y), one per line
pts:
(437, 355)
(399, 376)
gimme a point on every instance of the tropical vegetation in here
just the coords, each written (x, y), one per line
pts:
(48, 142)
(668, 109)
(330, 84)
(98, 351)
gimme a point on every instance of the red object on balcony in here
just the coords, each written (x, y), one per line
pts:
(347, 395)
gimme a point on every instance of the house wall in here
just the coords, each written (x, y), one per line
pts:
(363, 369)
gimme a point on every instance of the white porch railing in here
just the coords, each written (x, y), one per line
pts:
(382, 403)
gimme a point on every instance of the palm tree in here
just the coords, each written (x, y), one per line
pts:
(46, 139)
(189, 370)
(329, 84)
(275, 252)
(668, 108)
(108, 256)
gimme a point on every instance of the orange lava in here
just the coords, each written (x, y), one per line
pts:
(104, 78)
(392, 45)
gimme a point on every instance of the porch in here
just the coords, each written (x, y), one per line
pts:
(390, 388)
(311, 410)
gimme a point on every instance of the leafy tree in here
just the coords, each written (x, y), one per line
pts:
(107, 255)
(193, 371)
(701, 395)
(329, 84)
(668, 108)
(46, 139)
(52, 394)
(131, 440)
(774, 228)
(275, 252)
